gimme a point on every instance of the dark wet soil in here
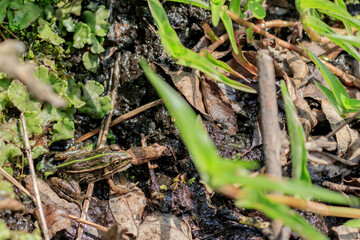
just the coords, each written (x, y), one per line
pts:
(132, 37)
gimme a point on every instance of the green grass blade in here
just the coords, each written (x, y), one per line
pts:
(297, 139)
(197, 3)
(229, 28)
(341, 4)
(345, 18)
(331, 98)
(258, 201)
(353, 40)
(216, 6)
(333, 82)
(194, 60)
(221, 64)
(192, 132)
(325, 30)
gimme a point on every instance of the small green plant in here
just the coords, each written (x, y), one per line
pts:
(337, 95)
(312, 24)
(186, 57)
(48, 27)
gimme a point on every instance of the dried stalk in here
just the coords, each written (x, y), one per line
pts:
(33, 176)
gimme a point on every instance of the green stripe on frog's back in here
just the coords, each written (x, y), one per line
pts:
(121, 154)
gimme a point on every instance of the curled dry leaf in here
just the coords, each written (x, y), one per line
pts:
(56, 208)
(164, 226)
(324, 165)
(346, 136)
(128, 209)
(218, 106)
(343, 232)
(188, 84)
(297, 66)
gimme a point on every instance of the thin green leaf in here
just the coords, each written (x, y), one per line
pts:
(194, 60)
(221, 64)
(297, 139)
(355, 223)
(325, 30)
(216, 6)
(331, 98)
(353, 40)
(333, 82)
(341, 4)
(229, 28)
(184, 56)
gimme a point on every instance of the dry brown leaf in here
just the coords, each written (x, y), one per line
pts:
(298, 67)
(164, 226)
(56, 207)
(330, 50)
(218, 106)
(346, 233)
(128, 209)
(189, 85)
(346, 136)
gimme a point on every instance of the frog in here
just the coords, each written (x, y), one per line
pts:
(91, 166)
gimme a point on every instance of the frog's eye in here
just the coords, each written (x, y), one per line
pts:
(115, 161)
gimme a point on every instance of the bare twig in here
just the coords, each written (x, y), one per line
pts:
(270, 125)
(269, 114)
(121, 118)
(33, 176)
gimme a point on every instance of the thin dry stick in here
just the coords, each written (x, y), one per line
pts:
(121, 118)
(270, 128)
(9, 32)
(348, 79)
(24, 190)
(33, 176)
(268, 24)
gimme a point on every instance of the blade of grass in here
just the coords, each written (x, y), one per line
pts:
(330, 97)
(258, 201)
(297, 139)
(333, 82)
(216, 6)
(221, 64)
(325, 30)
(229, 28)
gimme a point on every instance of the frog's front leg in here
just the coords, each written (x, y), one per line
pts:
(68, 189)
